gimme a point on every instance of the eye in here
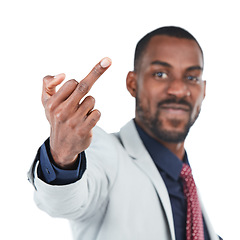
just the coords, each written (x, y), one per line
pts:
(193, 79)
(161, 75)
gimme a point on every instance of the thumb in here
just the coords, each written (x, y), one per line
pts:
(49, 86)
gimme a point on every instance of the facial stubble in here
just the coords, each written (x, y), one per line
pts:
(154, 124)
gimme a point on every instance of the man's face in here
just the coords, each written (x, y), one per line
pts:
(169, 88)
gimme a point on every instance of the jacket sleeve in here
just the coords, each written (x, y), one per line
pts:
(83, 198)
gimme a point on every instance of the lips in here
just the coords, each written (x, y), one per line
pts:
(175, 107)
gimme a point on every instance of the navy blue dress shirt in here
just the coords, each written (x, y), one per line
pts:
(168, 165)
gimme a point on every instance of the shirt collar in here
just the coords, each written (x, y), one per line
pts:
(162, 156)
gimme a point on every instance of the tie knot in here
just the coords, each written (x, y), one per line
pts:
(186, 171)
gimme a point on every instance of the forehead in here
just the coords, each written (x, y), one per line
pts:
(175, 51)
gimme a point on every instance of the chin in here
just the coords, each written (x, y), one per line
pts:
(174, 132)
(171, 136)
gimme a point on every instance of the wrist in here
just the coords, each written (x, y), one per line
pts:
(70, 163)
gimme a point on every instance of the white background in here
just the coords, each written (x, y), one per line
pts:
(49, 37)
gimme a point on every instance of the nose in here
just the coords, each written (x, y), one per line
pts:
(178, 88)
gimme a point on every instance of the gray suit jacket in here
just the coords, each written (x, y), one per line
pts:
(121, 195)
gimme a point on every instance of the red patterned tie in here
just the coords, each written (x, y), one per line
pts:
(194, 225)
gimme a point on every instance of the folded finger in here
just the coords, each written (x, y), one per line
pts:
(49, 86)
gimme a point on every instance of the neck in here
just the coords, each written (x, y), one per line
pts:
(175, 148)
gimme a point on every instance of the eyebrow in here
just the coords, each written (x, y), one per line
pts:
(165, 64)
(157, 62)
(195, 68)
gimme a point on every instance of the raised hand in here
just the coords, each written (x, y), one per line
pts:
(71, 117)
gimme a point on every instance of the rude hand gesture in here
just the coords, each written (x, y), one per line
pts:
(70, 116)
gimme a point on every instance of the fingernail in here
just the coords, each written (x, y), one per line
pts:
(105, 62)
(58, 75)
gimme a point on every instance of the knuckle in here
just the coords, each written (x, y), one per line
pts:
(83, 87)
(46, 79)
(82, 132)
(72, 82)
(95, 116)
(59, 116)
(97, 71)
(49, 106)
(90, 100)
(92, 122)
(70, 124)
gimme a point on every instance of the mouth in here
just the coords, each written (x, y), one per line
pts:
(175, 108)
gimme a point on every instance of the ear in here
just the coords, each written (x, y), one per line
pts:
(204, 88)
(131, 83)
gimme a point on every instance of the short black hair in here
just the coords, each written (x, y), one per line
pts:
(171, 31)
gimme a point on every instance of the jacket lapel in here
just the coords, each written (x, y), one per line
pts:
(135, 148)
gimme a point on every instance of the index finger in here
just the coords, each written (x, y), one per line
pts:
(86, 84)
